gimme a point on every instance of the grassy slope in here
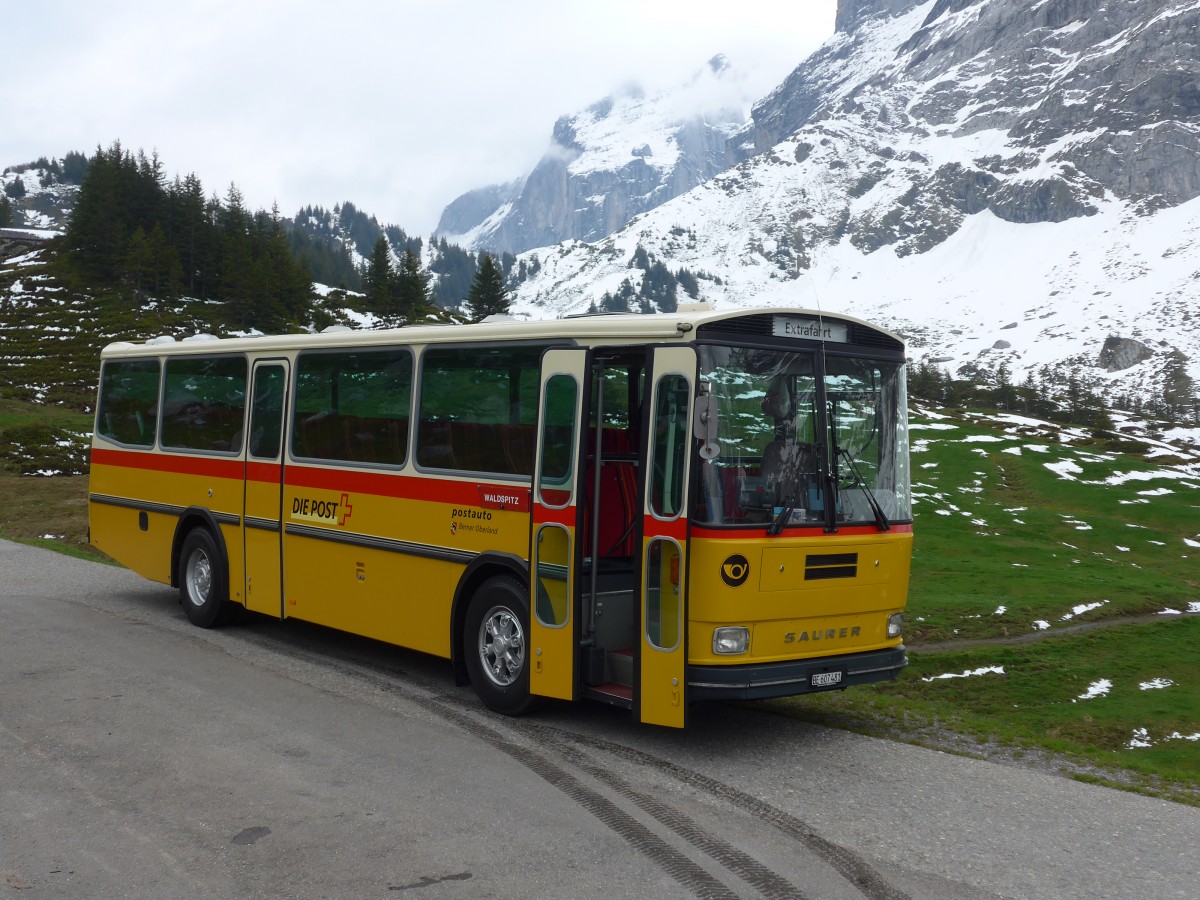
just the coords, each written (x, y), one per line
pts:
(1006, 550)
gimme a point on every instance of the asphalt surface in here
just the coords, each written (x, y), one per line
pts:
(143, 757)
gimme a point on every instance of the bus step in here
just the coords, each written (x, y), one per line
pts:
(613, 694)
(620, 666)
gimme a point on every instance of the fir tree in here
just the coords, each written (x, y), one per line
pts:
(74, 167)
(189, 229)
(237, 271)
(412, 289)
(618, 302)
(455, 269)
(377, 280)
(6, 211)
(1179, 401)
(487, 296)
(688, 282)
(658, 287)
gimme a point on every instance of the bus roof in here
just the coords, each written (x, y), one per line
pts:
(614, 327)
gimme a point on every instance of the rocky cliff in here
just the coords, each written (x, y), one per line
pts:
(620, 157)
(1005, 181)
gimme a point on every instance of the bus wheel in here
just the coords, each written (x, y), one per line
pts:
(202, 580)
(496, 645)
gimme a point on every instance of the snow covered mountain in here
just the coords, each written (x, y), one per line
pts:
(621, 156)
(1003, 181)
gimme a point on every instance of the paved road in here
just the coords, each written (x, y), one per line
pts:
(142, 757)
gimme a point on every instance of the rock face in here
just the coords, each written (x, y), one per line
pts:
(472, 208)
(950, 167)
(1120, 353)
(850, 13)
(1087, 98)
(616, 159)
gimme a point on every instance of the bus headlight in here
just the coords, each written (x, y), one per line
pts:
(895, 625)
(731, 640)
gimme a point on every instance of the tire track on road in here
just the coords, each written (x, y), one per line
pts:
(467, 715)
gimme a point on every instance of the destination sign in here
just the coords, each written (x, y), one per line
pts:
(809, 329)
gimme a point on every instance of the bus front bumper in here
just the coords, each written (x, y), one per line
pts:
(762, 681)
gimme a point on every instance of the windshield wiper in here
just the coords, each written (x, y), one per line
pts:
(785, 515)
(880, 519)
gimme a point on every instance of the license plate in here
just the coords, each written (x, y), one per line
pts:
(826, 679)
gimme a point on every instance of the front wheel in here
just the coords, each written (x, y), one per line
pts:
(203, 584)
(496, 645)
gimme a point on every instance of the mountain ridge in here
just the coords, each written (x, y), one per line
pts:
(1006, 184)
(620, 156)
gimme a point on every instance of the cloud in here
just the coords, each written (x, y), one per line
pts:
(396, 107)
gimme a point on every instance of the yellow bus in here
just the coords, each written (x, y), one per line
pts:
(645, 510)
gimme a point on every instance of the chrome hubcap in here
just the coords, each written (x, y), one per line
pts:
(198, 575)
(501, 646)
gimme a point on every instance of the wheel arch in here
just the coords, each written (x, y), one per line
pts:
(479, 570)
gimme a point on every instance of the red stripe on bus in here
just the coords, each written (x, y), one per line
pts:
(266, 472)
(740, 534)
(406, 487)
(677, 528)
(162, 462)
(564, 516)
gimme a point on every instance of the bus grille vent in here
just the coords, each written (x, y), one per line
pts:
(821, 566)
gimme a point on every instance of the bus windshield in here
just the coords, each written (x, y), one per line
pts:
(804, 441)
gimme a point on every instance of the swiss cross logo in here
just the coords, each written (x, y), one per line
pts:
(345, 508)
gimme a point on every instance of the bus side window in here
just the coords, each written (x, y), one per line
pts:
(353, 406)
(128, 409)
(204, 403)
(671, 442)
(478, 409)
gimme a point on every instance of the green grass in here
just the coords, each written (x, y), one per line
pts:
(36, 507)
(1005, 549)
(1040, 702)
(1042, 697)
(35, 439)
(999, 530)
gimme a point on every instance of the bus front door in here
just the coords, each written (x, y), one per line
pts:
(661, 698)
(262, 529)
(553, 576)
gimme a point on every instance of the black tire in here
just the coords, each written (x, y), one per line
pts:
(203, 580)
(496, 645)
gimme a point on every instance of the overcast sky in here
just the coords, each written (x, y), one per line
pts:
(398, 106)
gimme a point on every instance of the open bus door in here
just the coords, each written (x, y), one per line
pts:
(553, 575)
(662, 590)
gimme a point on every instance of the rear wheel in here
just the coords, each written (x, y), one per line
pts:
(202, 578)
(496, 645)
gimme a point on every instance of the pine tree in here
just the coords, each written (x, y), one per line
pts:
(135, 261)
(6, 211)
(688, 282)
(189, 230)
(412, 289)
(1179, 401)
(1006, 394)
(238, 277)
(487, 296)
(74, 167)
(377, 280)
(455, 269)
(658, 287)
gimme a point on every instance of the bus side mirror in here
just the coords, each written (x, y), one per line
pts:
(704, 427)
